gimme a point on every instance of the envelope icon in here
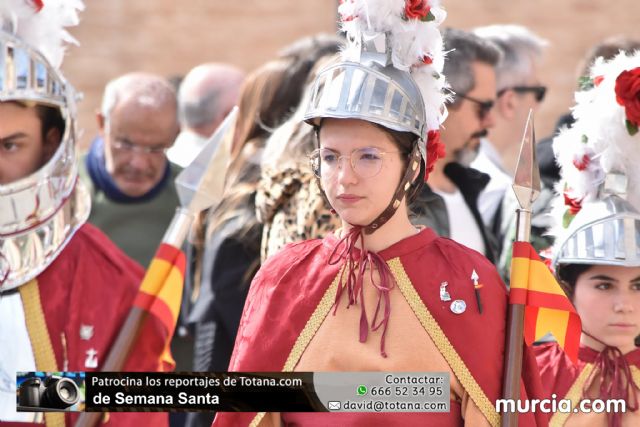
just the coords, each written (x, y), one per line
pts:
(334, 406)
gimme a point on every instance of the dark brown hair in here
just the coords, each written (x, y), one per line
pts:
(568, 274)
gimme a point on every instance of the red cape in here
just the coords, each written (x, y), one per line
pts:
(289, 286)
(93, 283)
(557, 371)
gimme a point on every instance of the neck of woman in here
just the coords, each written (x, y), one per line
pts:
(397, 228)
(597, 345)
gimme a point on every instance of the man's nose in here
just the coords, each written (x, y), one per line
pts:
(489, 119)
(139, 160)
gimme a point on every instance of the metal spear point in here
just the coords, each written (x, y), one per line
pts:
(526, 186)
(526, 183)
(200, 185)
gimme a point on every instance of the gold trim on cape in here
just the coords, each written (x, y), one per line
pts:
(307, 334)
(443, 344)
(426, 320)
(575, 393)
(40, 340)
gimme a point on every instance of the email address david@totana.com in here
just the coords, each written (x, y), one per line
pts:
(563, 406)
(383, 406)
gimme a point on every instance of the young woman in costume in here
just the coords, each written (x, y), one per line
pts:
(597, 251)
(379, 294)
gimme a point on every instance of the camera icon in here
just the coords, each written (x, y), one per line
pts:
(53, 392)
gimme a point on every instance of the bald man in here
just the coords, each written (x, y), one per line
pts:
(131, 179)
(207, 94)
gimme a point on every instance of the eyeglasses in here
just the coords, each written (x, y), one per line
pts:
(485, 106)
(127, 147)
(538, 91)
(365, 162)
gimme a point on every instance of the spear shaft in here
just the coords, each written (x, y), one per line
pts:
(526, 187)
(199, 187)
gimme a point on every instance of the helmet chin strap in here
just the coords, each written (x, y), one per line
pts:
(400, 193)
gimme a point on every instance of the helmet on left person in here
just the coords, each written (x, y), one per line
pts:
(40, 212)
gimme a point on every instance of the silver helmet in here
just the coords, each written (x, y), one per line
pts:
(389, 74)
(607, 232)
(598, 215)
(40, 212)
(372, 90)
(391, 70)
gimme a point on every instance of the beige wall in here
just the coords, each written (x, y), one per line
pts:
(170, 36)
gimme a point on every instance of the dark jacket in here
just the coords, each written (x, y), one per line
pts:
(429, 208)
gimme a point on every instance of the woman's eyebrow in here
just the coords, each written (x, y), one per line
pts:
(12, 137)
(604, 277)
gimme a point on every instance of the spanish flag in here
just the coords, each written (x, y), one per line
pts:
(547, 308)
(161, 290)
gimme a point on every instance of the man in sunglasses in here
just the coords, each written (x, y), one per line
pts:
(448, 203)
(518, 91)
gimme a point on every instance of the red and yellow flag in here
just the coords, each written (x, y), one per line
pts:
(161, 290)
(547, 308)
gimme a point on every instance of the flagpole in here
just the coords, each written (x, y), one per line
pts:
(526, 187)
(199, 187)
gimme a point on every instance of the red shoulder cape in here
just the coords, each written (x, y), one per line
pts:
(93, 283)
(289, 286)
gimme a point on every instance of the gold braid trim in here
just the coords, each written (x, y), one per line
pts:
(312, 326)
(307, 334)
(40, 339)
(257, 419)
(574, 394)
(635, 374)
(442, 342)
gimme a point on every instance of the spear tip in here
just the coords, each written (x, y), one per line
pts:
(526, 182)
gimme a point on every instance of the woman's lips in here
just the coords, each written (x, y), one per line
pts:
(622, 325)
(349, 198)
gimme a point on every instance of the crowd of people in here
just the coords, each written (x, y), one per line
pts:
(366, 176)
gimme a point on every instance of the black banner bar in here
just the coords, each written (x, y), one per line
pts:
(195, 391)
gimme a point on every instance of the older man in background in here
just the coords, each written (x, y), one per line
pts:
(130, 177)
(207, 94)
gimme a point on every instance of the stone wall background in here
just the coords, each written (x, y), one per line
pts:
(169, 37)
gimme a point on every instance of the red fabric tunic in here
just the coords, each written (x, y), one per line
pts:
(290, 286)
(92, 282)
(561, 377)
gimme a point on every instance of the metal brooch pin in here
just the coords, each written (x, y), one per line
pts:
(458, 306)
(86, 332)
(92, 359)
(444, 295)
(477, 286)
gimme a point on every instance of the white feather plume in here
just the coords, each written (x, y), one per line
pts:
(600, 135)
(413, 41)
(44, 30)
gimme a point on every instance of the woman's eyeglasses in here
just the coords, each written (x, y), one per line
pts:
(538, 91)
(365, 162)
(484, 106)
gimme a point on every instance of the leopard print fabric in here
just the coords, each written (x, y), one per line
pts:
(292, 209)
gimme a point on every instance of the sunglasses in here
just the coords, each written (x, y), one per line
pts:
(485, 106)
(538, 91)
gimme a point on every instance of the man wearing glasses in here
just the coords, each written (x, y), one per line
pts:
(518, 91)
(127, 169)
(448, 203)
